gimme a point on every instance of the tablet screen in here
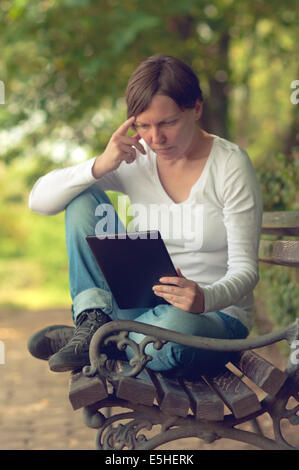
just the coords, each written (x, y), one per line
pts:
(132, 263)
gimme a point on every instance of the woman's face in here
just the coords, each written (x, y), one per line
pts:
(170, 132)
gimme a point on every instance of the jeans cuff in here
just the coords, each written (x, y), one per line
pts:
(92, 298)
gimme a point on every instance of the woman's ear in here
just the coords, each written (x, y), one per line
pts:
(198, 109)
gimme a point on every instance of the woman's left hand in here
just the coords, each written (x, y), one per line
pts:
(184, 294)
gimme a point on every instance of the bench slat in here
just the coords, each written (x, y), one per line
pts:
(285, 223)
(260, 371)
(85, 391)
(171, 397)
(138, 390)
(239, 398)
(281, 252)
(205, 403)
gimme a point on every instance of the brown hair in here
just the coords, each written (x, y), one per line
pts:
(164, 75)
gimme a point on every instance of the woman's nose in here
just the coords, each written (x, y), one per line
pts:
(157, 136)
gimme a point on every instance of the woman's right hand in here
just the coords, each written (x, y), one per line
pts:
(120, 148)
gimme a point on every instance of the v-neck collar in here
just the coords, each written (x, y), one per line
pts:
(200, 180)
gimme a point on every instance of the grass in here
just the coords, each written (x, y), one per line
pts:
(33, 258)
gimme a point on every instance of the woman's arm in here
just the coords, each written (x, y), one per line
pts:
(242, 215)
(53, 192)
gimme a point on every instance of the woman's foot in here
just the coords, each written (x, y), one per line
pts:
(75, 354)
(48, 341)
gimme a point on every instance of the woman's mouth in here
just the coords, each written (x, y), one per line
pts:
(162, 150)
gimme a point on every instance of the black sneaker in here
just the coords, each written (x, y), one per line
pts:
(48, 341)
(75, 354)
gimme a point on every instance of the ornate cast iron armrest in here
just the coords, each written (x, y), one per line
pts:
(118, 333)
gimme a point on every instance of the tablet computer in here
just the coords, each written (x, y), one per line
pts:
(132, 264)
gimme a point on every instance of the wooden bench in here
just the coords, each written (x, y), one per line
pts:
(209, 409)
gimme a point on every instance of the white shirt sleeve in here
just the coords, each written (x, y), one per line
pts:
(53, 192)
(242, 215)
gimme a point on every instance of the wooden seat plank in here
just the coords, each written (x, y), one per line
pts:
(268, 377)
(205, 403)
(84, 391)
(171, 397)
(281, 252)
(138, 390)
(239, 398)
(285, 223)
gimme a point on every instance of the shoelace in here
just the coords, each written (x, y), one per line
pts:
(87, 324)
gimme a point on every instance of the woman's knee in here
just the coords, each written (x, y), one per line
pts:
(80, 213)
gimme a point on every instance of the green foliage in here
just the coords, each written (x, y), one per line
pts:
(279, 179)
(33, 260)
(65, 65)
(64, 59)
(279, 290)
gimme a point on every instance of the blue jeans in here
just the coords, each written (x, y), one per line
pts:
(89, 290)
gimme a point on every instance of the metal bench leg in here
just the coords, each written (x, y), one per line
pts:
(256, 427)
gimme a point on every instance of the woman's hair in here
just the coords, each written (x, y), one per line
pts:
(163, 75)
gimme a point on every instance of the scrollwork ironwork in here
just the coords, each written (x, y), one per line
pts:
(114, 435)
(277, 408)
(117, 332)
(121, 340)
(129, 435)
(124, 435)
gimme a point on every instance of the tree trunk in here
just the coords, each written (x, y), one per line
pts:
(292, 139)
(215, 113)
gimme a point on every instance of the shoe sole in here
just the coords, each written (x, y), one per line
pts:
(68, 365)
(59, 366)
(37, 338)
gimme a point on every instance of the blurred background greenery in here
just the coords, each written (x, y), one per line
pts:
(65, 65)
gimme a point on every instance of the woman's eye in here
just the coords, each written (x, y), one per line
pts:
(146, 126)
(170, 123)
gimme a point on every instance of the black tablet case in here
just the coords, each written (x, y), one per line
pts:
(132, 264)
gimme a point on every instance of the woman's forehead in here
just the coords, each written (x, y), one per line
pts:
(161, 108)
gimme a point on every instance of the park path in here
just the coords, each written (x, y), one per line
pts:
(35, 413)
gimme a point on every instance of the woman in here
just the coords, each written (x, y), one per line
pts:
(170, 162)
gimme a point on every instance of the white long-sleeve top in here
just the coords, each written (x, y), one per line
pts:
(213, 236)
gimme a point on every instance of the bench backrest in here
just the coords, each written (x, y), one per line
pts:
(282, 252)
